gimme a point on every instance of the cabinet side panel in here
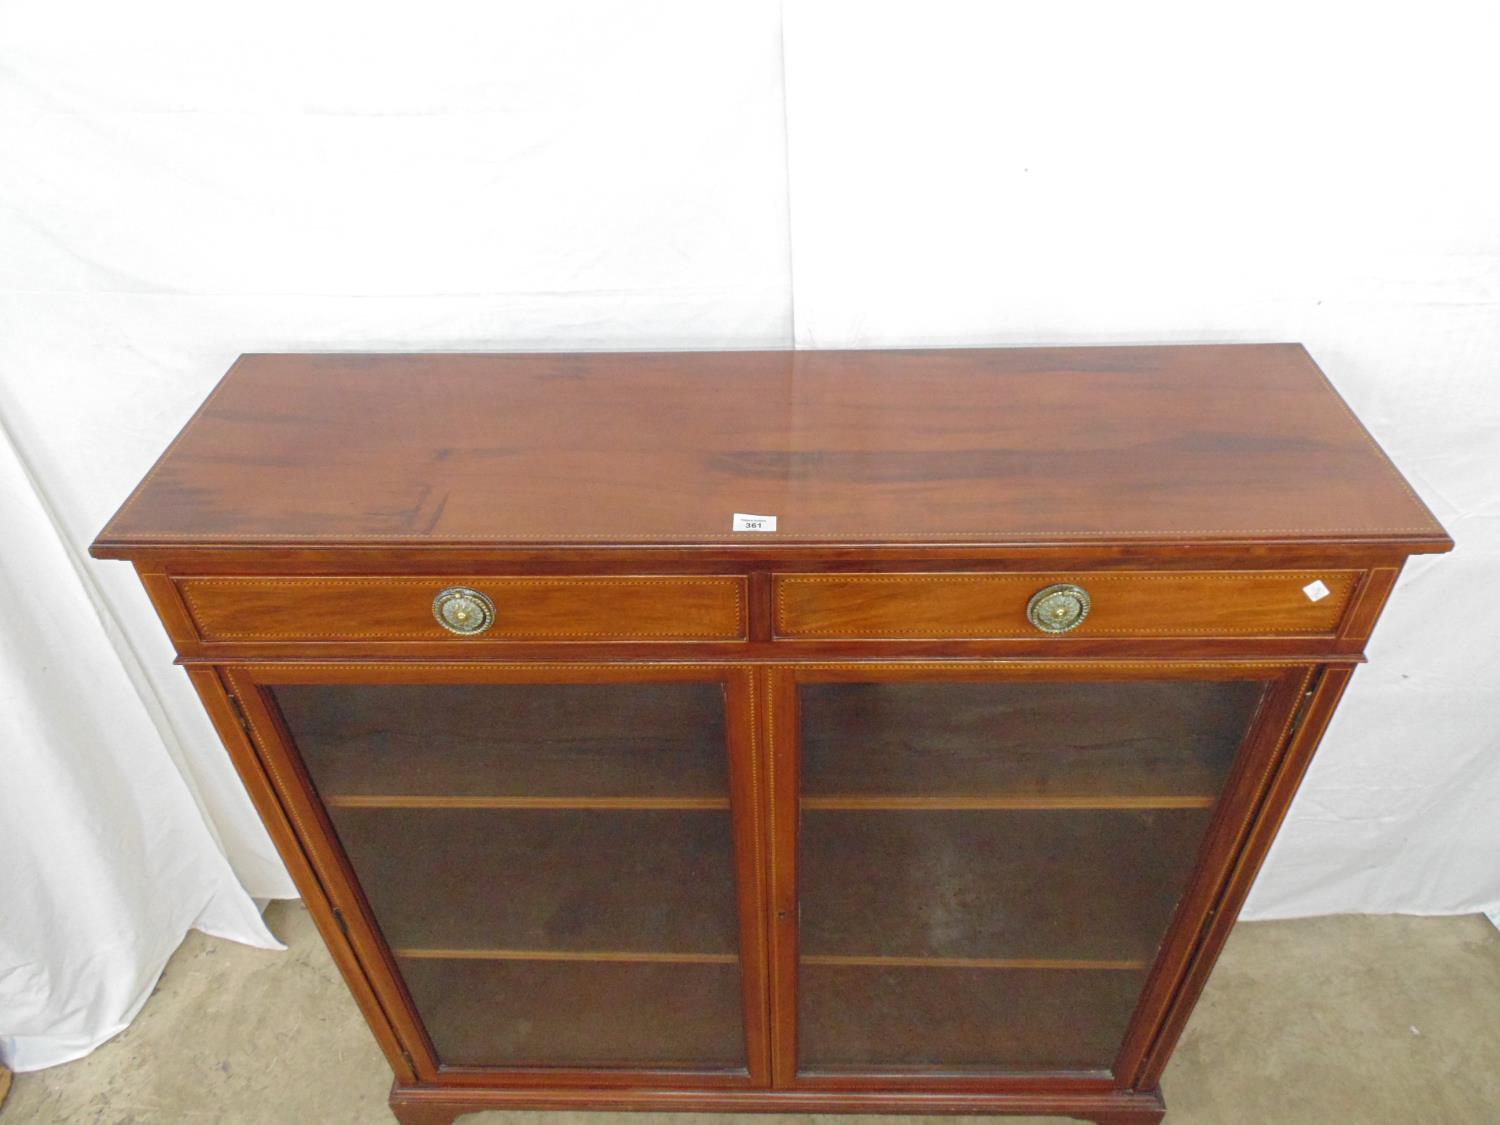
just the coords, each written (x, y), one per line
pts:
(313, 831)
(1369, 601)
(1283, 786)
(169, 606)
(268, 804)
(1254, 772)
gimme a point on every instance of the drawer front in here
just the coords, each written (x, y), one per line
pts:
(641, 608)
(1122, 604)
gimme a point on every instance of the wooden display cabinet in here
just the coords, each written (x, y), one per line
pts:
(942, 796)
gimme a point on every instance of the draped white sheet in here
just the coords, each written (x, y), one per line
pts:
(1146, 172)
(183, 182)
(107, 858)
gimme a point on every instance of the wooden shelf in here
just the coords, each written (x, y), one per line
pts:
(510, 740)
(823, 804)
(567, 955)
(633, 880)
(413, 801)
(1034, 739)
(1096, 885)
(968, 963)
(1001, 803)
(657, 958)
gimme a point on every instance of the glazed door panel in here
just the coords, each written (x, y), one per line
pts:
(987, 862)
(556, 865)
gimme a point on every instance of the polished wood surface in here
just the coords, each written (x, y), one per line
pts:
(1125, 604)
(793, 822)
(1018, 445)
(420, 1104)
(575, 608)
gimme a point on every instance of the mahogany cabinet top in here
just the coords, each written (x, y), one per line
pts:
(996, 447)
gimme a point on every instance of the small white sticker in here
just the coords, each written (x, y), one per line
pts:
(1316, 591)
(742, 522)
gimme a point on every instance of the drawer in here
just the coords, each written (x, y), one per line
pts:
(572, 608)
(1119, 604)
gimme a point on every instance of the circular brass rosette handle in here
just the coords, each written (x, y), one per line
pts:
(1056, 609)
(463, 611)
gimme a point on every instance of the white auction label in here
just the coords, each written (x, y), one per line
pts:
(742, 522)
(1316, 591)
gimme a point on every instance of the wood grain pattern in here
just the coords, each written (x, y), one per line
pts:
(1063, 445)
(750, 875)
(564, 864)
(578, 608)
(1125, 604)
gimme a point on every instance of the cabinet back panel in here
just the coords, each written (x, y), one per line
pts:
(525, 740)
(1035, 738)
(1086, 884)
(581, 880)
(954, 1019)
(569, 1013)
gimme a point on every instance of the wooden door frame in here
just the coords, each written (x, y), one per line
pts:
(1258, 764)
(283, 773)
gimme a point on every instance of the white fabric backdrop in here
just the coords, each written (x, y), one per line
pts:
(180, 183)
(1141, 172)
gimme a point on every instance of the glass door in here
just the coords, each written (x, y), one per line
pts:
(988, 859)
(549, 859)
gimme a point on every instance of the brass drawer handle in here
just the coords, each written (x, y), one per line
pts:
(1056, 609)
(463, 611)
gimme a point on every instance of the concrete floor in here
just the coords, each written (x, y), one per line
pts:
(1323, 1021)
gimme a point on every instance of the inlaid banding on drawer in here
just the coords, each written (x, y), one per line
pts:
(571, 608)
(1123, 604)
